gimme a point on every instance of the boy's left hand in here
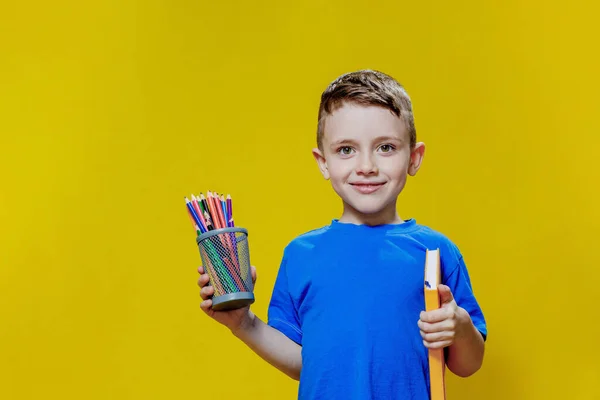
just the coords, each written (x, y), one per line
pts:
(439, 328)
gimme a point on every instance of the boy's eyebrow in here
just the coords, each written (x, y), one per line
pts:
(343, 141)
(377, 139)
(384, 138)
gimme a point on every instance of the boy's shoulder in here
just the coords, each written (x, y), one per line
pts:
(308, 240)
(432, 234)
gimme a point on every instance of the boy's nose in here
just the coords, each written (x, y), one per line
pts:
(366, 166)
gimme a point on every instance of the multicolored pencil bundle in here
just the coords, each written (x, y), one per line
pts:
(223, 249)
(207, 214)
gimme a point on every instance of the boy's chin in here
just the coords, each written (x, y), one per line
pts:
(368, 210)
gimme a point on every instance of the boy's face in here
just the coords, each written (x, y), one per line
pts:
(366, 154)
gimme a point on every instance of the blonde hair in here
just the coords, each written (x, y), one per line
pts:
(367, 88)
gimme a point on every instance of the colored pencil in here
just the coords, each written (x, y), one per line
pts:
(225, 213)
(236, 275)
(216, 266)
(231, 236)
(194, 215)
(229, 212)
(203, 201)
(199, 200)
(210, 270)
(196, 227)
(212, 210)
(218, 210)
(221, 215)
(198, 211)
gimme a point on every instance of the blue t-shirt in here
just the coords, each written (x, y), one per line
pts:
(351, 296)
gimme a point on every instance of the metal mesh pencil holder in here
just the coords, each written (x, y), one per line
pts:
(226, 259)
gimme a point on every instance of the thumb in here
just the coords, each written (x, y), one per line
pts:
(445, 294)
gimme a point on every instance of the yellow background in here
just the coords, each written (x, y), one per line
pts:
(112, 111)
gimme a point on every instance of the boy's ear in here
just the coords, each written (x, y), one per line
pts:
(416, 157)
(321, 162)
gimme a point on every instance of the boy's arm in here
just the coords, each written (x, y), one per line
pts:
(451, 327)
(465, 355)
(266, 341)
(271, 345)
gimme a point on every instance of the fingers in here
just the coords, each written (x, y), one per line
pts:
(426, 327)
(253, 273)
(438, 315)
(445, 294)
(437, 335)
(206, 292)
(203, 280)
(206, 305)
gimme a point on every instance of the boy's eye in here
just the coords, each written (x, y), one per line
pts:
(346, 150)
(386, 148)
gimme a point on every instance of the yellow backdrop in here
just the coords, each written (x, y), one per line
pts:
(112, 111)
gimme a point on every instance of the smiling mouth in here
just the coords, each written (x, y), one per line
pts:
(367, 188)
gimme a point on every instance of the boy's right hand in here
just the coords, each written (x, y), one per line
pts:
(233, 319)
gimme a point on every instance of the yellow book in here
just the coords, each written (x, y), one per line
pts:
(437, 363)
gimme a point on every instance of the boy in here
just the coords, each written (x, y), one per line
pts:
(346, 313)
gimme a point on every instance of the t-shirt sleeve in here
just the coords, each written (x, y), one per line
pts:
(456, 277)
(282, 314)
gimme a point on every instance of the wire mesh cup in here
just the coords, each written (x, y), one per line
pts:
(226, 260)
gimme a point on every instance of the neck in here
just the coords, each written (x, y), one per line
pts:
(386, 216)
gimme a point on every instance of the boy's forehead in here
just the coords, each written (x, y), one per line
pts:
(355, 121)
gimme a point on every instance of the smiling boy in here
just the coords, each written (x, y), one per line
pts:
(346, 316)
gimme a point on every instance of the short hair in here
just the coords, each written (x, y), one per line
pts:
(368, 88)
